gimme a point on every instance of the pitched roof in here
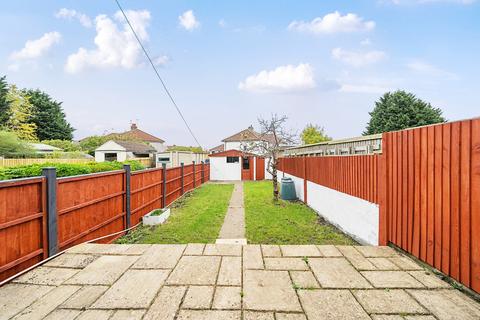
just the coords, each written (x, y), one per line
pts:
(218, 148)
(250, 134)
(137, 134)
(135, 147)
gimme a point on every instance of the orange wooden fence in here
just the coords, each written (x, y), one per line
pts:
(431, 207)
(88, 207)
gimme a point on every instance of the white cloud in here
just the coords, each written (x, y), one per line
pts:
(425, 68)
(114, 47)
(358, 59)
(36, 48)
(161, 60)
(70, 14)
(188, 21)
(287, 78)
(333, 23)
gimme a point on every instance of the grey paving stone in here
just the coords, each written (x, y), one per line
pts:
(300, 251)
(135, 289)
(62, 314)
(166, 304)
(413, 317)
(196, 270)
(304, 279)
(110, 249)
(227, 298)
(198, 297)
(230, 273)
(269, 291)
(103, 271)
(222, 250)
(386, 317)
(128, 315)
(160, 256)
(84, 297)
(337, 273)
(405, 263)
(46, 304)
(376, 251)
(329, 251)
(46, 276)
(285, 264)
(356, 258)
(391, 279)
(290, 316)
(447, 304)
(429, 280)
(67, 260)
(387, 301)
(383, 264)
(194, 249)
(209, 315)
(252, 257)
(256, 315)
(271, 250)
(95, 315)
(16, 297)
(331, 304)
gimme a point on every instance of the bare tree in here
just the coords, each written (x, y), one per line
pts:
(273, 138)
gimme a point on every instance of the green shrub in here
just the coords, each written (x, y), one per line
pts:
(65, 169)
(65, 145)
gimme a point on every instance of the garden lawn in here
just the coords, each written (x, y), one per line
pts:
(195, 218)
(285, 222)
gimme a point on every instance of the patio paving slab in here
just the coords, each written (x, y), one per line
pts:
(230, 282)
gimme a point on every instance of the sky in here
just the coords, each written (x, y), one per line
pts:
(227, 63)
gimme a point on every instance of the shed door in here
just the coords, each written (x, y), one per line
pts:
(260, 169)
(247, 168)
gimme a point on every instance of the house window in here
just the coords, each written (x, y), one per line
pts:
(232, 160)
(246, 163)
(110, 157)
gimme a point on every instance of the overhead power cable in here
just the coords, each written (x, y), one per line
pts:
(158, 74)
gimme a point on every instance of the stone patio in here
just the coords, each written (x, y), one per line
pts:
(222, 281)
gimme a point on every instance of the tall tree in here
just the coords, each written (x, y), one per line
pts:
(21, 113)
(314, 134)
(400, 110)
(49, 117)
(4, 104)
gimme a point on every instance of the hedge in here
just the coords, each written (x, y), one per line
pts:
(65, 169)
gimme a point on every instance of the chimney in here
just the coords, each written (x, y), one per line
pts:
(133, 126)
(251, 127)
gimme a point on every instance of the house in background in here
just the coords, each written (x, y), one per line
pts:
(116, 150)
(238, 158)
(44, 148)
(137, 134)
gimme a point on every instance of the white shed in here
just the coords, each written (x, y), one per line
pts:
(122, 150)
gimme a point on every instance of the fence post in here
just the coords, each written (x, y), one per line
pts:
(52, 228)
(193, 174)
(305, 199)
(128, 195)
(164, 185)
(181, 174)
(203, 172)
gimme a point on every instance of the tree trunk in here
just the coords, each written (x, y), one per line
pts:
(275, 184)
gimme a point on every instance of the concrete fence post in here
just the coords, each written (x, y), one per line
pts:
(128, 195)
(203, 172)
(164, 185)
(52, 227)
(193, 174)
(181, 180)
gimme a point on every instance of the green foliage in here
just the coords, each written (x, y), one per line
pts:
(400, 110)
(4, 104)
(49, 117)
(185, 148)
(65, 155)
(314, 134)
(65, 145)
(89, 144)
(65, 169)
(10, 144)
(21, 112)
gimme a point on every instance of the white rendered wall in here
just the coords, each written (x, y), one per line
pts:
(220, 170)
(232, 145)
(99, 156)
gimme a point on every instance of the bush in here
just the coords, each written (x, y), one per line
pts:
(65, 169)
(10, 145)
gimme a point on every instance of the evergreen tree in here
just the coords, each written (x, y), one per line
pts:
(4, 104)
(21, 111)
(49, 117)
(400, 110)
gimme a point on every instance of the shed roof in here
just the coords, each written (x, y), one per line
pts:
(232, 153)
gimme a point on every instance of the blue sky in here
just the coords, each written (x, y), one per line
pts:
(228, 63)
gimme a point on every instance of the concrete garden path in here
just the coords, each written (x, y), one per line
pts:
(233, 228)
(232, 282)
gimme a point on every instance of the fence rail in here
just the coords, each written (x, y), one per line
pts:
(83, 208)
(22, 162)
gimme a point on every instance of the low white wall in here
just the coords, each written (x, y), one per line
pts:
(356, 217)
(220, 170)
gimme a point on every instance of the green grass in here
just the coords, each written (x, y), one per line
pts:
(285, 222)
(195, 218)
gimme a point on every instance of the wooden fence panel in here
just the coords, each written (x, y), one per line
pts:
(188, 177)
(432, 175)
(23, 225)
(174, 184)
(146, 191)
